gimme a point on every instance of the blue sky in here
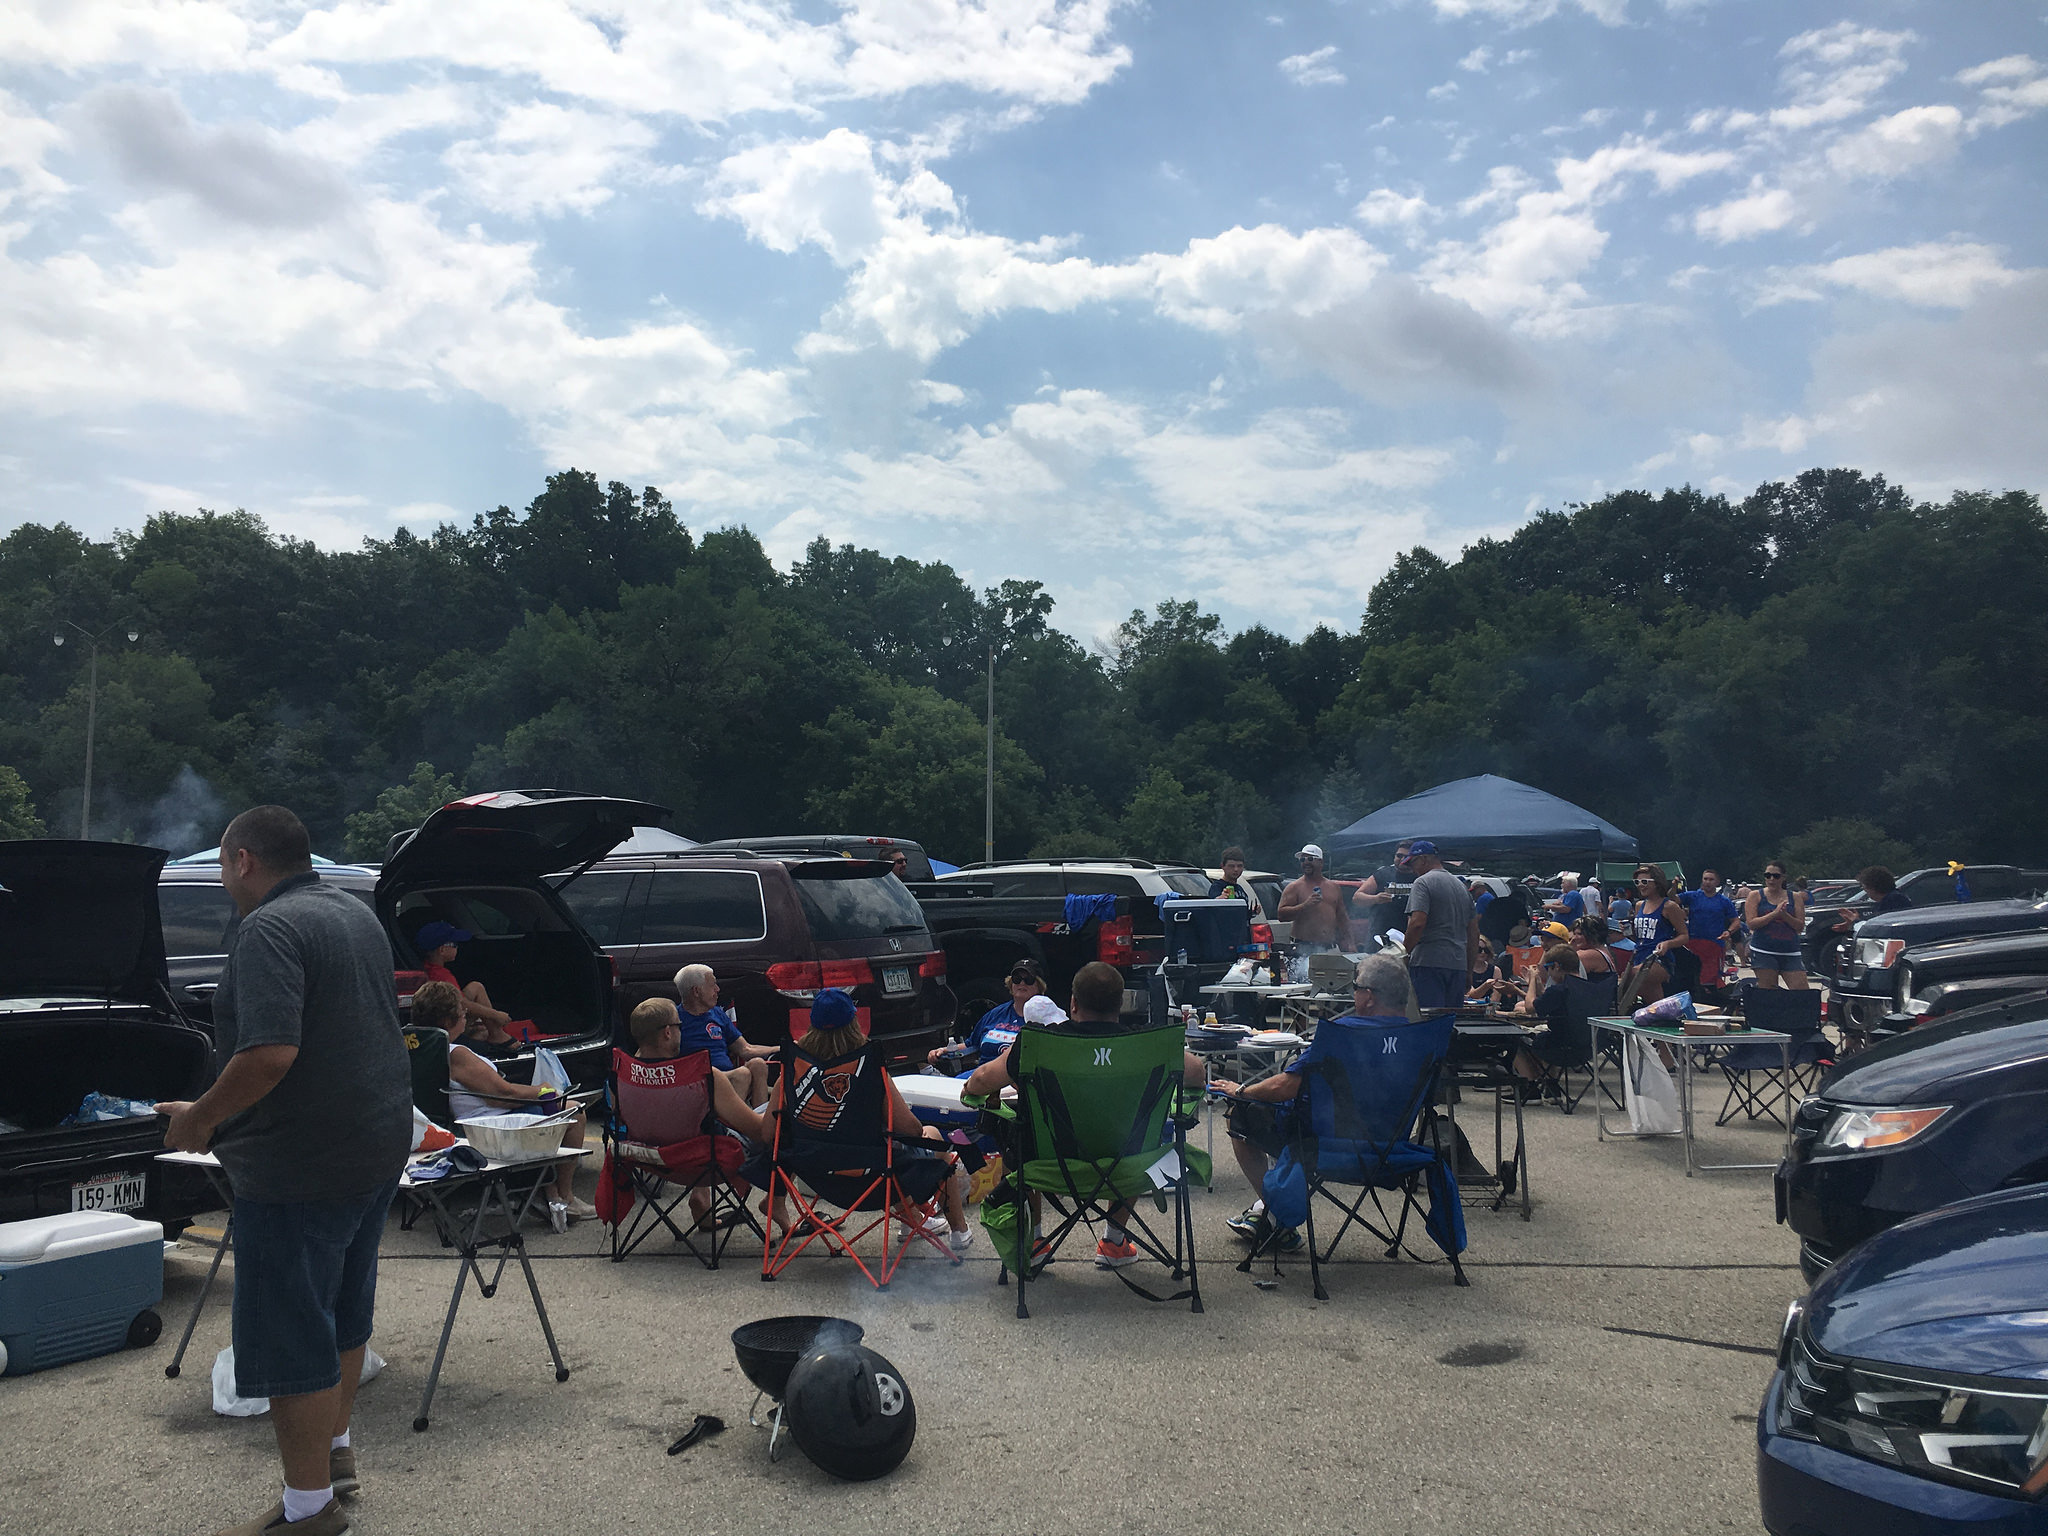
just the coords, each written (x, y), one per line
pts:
(1229, 301)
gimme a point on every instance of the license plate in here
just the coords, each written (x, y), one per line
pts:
(895, 979)
(109, 1192)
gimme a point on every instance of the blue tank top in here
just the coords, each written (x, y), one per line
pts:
(1775, 934)
(1650, 926)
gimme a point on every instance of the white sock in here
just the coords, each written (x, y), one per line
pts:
(1258, 1206)
(299, 1504)
(340, 1442)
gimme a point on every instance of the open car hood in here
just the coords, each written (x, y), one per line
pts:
(81, 918)
(514, 835)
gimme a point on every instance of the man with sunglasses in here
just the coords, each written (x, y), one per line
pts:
(998, 1027)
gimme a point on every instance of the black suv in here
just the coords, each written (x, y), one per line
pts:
(1866, 982)
(199, 919)
(1953, 1109)
(86, 1006)
(1830, 952)
(775, 928)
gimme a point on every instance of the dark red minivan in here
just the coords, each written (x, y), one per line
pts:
(775, 929)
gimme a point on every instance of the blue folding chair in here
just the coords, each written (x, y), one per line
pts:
(1365, 1119)
(1793, 1013)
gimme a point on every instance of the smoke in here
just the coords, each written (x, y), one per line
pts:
(187, 818)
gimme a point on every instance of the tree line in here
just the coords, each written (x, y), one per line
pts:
(1826, 670)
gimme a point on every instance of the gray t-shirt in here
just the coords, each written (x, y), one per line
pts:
(1442, 897)
(311, 967)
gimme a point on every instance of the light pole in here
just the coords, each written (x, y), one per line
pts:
(988, 814)
(92, 707)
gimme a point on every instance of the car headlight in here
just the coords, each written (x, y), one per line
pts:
(1954, 1430)
(1868, 1130)
(1878, 953)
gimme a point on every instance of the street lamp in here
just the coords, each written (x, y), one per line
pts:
(92, 701)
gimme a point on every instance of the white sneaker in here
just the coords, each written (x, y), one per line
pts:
(960, 1241)
(580, 1210)
(932, 1226)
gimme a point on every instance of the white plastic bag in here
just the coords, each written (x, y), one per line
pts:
(548, 1071)
(227, 1402)
(1647, 1088)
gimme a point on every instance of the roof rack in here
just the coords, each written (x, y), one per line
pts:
(1085, 859)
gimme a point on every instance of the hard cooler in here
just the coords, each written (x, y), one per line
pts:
(77, 1285)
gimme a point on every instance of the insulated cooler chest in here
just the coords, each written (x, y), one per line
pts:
(77, 1285)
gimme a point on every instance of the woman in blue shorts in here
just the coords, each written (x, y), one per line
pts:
(1776, 919)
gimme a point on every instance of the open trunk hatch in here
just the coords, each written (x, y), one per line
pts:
(514, 835)
(81, 918)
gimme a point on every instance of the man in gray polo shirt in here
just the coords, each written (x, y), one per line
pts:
(311, 1117)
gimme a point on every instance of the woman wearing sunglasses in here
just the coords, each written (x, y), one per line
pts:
(1659, 931)
(1776, 918)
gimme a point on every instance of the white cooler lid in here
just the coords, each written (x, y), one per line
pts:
(71, 1233)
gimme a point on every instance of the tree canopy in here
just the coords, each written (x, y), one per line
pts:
(1825, 667)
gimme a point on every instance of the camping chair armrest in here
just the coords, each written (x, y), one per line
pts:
(990, 1104)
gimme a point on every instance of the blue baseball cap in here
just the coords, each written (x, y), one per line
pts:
(433, 935)
(1417, 849)
(833, 1009)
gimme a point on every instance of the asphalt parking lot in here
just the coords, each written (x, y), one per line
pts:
(1541, 1398)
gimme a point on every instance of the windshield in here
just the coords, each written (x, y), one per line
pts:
(1185, 882)
(854, 905)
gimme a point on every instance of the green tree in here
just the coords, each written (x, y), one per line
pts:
(1844, 846)
(17, 811)
(398, 809)
(1165, 821)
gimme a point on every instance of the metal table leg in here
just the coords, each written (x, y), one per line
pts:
(227, 1237)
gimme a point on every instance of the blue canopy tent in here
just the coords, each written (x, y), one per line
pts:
(1485, 818)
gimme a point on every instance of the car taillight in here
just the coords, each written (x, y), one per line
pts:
(795, 978)
(1115, 942)
(934, 964)
(1262, 934)
(846, 973)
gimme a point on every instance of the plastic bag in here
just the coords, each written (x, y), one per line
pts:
(548, 1071)
(427, 1136)
(230, 1404)
(1647, 1089)
(97, 1106)
(1675, 1009)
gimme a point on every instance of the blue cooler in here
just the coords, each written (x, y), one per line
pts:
(77, 1285)
(1208, 930)
(936, 1101)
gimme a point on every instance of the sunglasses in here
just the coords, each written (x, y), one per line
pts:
(1774, 874)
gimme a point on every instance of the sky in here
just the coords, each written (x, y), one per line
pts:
(1193, 298)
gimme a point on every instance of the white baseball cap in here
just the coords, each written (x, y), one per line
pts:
(1043, 1010)
(1310, 851)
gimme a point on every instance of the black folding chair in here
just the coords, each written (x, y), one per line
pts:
(1809, 1054)
(1588, 998)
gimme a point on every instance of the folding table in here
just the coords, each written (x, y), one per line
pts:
(495, 1223)
(1689, 1052)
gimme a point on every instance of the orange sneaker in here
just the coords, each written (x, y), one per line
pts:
(1110, 1255)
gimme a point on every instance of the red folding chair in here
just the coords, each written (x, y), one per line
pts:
(832, 1137)
(661, 1145)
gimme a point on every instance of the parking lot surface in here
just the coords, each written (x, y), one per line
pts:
(1601, 1373)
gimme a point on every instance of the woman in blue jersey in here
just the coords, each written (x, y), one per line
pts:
(1658, 928)
(998, 1027)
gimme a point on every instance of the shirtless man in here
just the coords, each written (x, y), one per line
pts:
(1315, 906)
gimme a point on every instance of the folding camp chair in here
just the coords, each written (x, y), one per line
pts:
(1589, 998)
(660, 1145)
(832, 1135)
(1096, 1133)
(1792, 1013)
(1365, 1117)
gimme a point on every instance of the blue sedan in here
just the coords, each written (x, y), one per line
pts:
(1911, 1394)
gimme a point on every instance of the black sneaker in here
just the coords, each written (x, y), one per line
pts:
(1246, 1222)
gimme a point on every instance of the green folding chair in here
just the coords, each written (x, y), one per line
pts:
(1096, 1129)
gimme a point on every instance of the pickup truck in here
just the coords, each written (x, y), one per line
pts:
(1863, 984)
(1933, 980)
(989, 916)
(1827, 948)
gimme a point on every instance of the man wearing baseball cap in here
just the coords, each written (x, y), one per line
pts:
(1315, 906)
(1443, 929)
(437, 943)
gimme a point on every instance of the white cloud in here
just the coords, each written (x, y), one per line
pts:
(1758, 211)
(25, 141)
(1942, 403)
(2014, 66)
(1477, 60)
(2013, 88)
(1833, 72)
(1313, 68)
(1387, 209)
(1527, 264)
(1523, 13)
(544, 159)
(1905, 141)
(1939, 274)
(1442, 92)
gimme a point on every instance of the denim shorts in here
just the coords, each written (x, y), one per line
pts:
(1775, 959)
(1437, 986)
(305, 1289)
